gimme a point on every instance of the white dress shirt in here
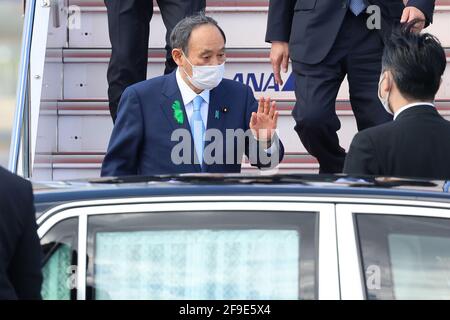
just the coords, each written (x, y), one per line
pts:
(188, 95)
(412, 105)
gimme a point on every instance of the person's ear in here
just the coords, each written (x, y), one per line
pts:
(178, 57)
(387, 84)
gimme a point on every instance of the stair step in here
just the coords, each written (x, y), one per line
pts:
(93, 31)
(86, 126)
(215, 3)
(84, 74)
(209, 3)
(68, 166)
(82, 107)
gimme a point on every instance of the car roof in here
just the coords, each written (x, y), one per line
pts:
(47, 193)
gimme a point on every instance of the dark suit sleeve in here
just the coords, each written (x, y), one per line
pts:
(426, 6)
(279, 21)
(25, 266)
(361, 158)
(123, 152)
(255, 151)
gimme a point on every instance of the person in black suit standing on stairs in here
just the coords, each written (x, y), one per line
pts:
(326, 41)
(417, 143)
(128, 22)
(20, 251)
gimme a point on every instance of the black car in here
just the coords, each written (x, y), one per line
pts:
(245, 237)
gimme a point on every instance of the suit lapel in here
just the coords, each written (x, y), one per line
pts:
(171, 96)
(216, 116)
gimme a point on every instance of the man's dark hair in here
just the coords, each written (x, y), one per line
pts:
(416, 61)
(179, 38)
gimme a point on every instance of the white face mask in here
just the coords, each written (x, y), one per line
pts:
(205, 77)
(384, 101)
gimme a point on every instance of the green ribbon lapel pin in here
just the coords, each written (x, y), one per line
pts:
(178, 114)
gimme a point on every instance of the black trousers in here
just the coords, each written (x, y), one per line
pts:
(357, 54)
(128, 22)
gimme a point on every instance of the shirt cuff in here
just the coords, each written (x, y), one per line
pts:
(273, 148)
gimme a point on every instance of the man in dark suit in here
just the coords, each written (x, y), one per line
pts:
(217, 119)
(20, 251)
(128, 22)
(417, 143)
(326, 41)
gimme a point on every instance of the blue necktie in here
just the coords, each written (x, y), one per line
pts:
(198, 128)
(357, 6)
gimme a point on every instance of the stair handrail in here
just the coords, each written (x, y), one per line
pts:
(21, 116)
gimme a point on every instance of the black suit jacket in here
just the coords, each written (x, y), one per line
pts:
(311, 26)
(20, 251)
(415, 145)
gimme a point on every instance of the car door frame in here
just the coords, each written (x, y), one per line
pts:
(327, 258)
(350, 261)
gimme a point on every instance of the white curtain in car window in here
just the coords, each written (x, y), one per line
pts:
(420, 266)
(197, 264)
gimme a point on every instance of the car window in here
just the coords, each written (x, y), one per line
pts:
(405, 257)
(60, 260)
(208, 255)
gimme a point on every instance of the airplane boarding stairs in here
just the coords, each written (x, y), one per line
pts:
(69, 121)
